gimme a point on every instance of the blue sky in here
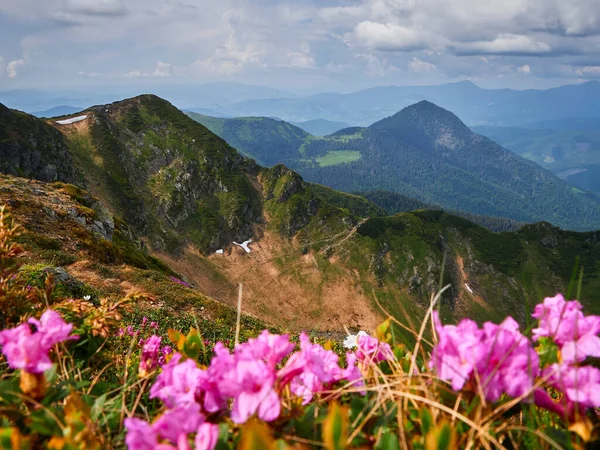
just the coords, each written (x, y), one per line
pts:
(301, 45)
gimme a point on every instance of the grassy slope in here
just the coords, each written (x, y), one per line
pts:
(312, 242)
(101, 268)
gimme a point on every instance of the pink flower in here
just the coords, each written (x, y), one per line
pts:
(510, 364)
(580, 385)
(140, 435)
(564, 322)
(222, 364)
(25, 350)
(250, 383)
(29, 351)
(53, 328)
(498, 357)
(369, 350)
(310, 369)
(178, 383)
(206, 437)
(181, 420)
(271, 348)
(457, 351)
(150, 355)
(352, 373)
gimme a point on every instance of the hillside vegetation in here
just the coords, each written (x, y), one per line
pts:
(185, 193)
(450, 166)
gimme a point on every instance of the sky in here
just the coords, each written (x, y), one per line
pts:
(298, 45)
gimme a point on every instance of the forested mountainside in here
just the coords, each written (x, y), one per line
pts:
(449, 165)
(571, 153)
(319, 259)
(394, 203)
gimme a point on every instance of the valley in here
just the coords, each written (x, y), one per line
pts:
(319, 258)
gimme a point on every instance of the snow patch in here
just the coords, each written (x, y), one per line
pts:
(244, 245)
(469, 288)
(71, 120)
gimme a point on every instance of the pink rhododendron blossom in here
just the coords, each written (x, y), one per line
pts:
(369, 350)
(140, 435)
(564, 322)
(509, 363)
(53, 328)
(309, 369)
(457, 351)
(28, 350)
(150, 354)
(352, 372)
(250, 384)
(580, 384)
(181, 420)
(178, 383)
(498, 357)
(221, 364)
(206, 437)
(25, 350)
(271, 348)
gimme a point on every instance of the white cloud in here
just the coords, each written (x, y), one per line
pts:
(162, 70)
(525, 69)
(378, 66)
(420, 66)
(95, 7)
(386, 37)
(505, 43)
(11, 68)
(85, 74)
(301, 59)
(588, 71)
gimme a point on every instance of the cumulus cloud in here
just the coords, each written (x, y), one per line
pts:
(95, 7)
(346, 41)
(301, 59)
(11, 68)
(525, 69)
(588, 71)
(505, 43)
(162, 70)
(419, 66)
(386, 37)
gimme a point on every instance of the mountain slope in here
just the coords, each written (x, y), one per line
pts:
(31, 148)
(425, 152)
(317, 259)
(572, 154)
(264, 139)
(321, 127)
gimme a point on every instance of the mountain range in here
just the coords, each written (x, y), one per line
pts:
(475, 105)
(136, 192)
(424, 152)
(568, 148)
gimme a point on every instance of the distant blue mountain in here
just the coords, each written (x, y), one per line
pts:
(57, 111)
(477, 106)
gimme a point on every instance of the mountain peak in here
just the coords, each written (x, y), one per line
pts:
(425, 116)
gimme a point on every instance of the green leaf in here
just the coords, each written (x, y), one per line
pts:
(388, 441)
(335, 428)
(426, 420)
(97, 407)
(442, 437)
(256, 436)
